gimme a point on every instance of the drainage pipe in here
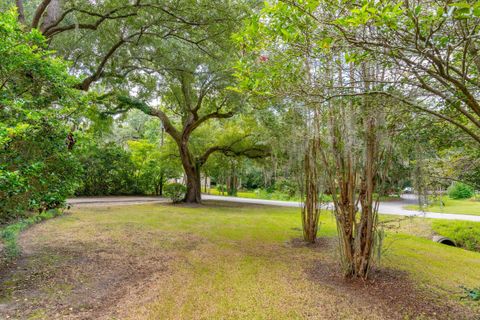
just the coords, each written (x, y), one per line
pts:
(444, 240)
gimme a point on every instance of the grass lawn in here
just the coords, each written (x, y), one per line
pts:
(262, 194)
(467, 206)
(223, 261)
(259, 194)
(465, 233)
(241, 194)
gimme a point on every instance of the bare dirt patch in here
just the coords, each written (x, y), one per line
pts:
(80, 278)
(323, 243)
(391, 291)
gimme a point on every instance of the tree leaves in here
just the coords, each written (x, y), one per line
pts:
(36, 101)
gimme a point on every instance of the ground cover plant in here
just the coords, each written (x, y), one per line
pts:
(10, 233)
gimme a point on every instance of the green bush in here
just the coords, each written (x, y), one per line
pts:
(287, 187)
(37, 172)
(466, 234)
(107, 170)
(460, 190)
(175, 191)
(221, 188)
(37, 169)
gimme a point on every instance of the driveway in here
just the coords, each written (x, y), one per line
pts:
(114, 200)
(387, 207)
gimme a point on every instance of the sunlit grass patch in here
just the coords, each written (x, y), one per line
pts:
(441, 267)
(465, 206)
(466, 234)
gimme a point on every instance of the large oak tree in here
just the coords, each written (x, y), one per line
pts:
(185, 92)
(175, 53)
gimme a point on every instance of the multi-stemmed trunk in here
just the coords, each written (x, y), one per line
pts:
(356, 187)
(351, 159)
(365, 228)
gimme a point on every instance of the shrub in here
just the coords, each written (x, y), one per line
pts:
(37, 103)
(287, 187)
(175, 191)
(221, 188)
(107, 169)
(460, 190)
(466, 234)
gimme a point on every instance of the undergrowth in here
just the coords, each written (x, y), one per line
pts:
(466, 234)
(9, 234)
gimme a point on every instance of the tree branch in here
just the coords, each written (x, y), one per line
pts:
(472, 134)
(20, 11)
(253, 152)
(196, 123)
(126, 103)
(86, 83)
(39, 12)
(54, 29)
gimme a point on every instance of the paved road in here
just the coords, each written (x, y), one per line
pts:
(388, 207)
(113, 200)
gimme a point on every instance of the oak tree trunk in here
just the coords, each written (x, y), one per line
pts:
(192, 174)
(193, 194)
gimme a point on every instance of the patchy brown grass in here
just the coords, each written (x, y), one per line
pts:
(78, 278)
(215, 261)
(391, 290)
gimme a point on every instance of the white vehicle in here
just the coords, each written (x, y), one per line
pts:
(408, 190)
